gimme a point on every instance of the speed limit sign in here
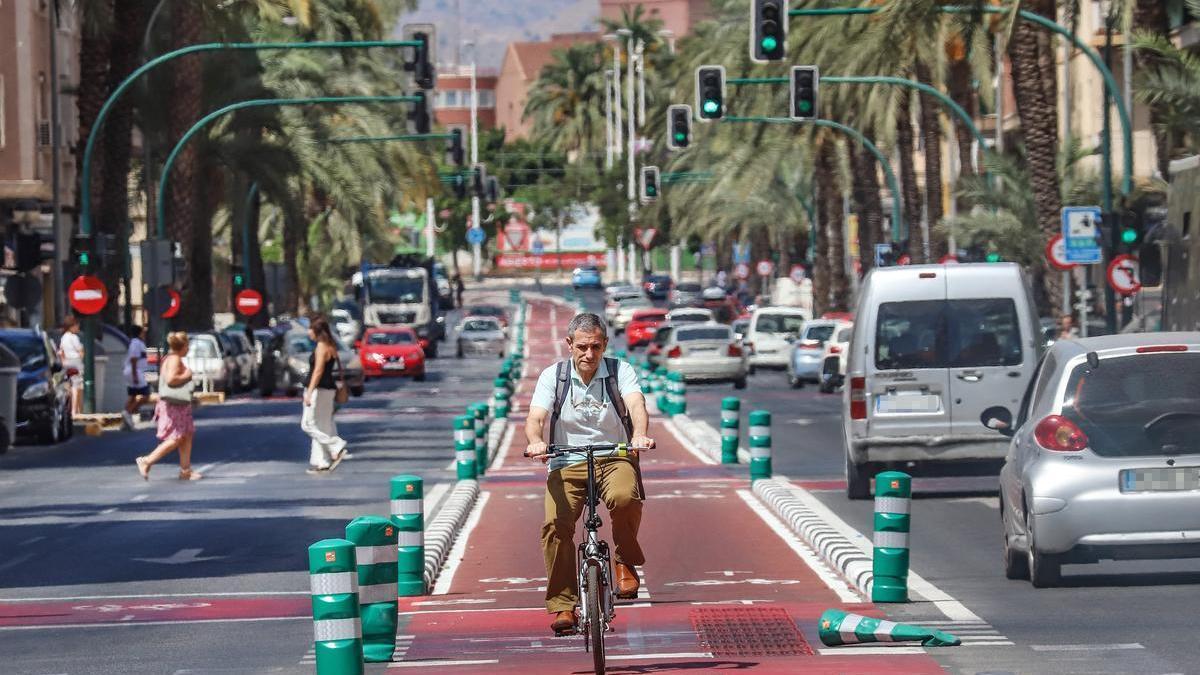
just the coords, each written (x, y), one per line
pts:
(764, 268)
(742, 271)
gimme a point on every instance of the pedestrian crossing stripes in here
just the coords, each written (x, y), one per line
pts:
(403, 644)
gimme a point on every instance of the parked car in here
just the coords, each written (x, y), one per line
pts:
(933, 347)
(247, 362)
(43, 390)
(297, 348)
(678, 317)
(833, 363)
(587, 276)
(770, 330)
(267, 346)
(480, 335)
(625, 309)
(212, 362)
(1103, 455)
(807, 352)
(705, 352)
(391, 351)
(686, 294)
(657, 286)
(613, 304)
(643, 325)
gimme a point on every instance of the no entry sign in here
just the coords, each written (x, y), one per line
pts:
(1056, 254)
(87, 294)
(249, 302)
(172, 305)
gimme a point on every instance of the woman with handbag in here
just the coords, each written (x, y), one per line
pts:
(320, 395)
(173, 412)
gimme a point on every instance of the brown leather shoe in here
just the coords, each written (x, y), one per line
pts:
(627, 582)
(564, 623)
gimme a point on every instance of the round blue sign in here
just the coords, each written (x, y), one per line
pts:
(476, 235)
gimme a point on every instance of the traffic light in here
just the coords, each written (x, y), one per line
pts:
(423, 72)
(479, 179)
(768, 37)
(710, 92)
(239, 278)
(420, 114)
(459, 183)
(1129, 232)
(993, 257)
(81, 254)
(806, 80)
(493, 189)
(679, 126)
(28, 251)
(455, 150)
(650, 183)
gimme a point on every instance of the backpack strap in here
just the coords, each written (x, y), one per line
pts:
(614, 394)
(562, 380)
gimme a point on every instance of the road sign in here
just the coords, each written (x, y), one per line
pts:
(173, 303)
(797, 273)
(476, 235)
(645, 237)
(538, 247)
(1056, 254)
(741, 253)
(764, 268)
(87, 294)
(883, 255)
(1124, 275)
(249, 302)
(741, 271)
(1081, 234)
(948, 259)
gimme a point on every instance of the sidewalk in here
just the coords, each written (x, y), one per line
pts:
(725, 585)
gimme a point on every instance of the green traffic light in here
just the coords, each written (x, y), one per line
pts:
(680, 137)
(993, 257)
(711, 107)
(237, 280)
(769, 44)
(804, 106)
(1128, 236)
(84, 259)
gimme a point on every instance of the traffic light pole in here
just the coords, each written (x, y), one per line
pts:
(476, 217)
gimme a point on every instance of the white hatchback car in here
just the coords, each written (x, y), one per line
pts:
(771, 332)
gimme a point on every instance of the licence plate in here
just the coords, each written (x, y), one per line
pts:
(908, 403)
(704, 350)
(1161, 479)
(394, 365)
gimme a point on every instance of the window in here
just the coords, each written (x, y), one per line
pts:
(819, 333)
(779, 323)
(972, 333)
(1187, 215)
(202, 349)
(487, 98)
(391, 338)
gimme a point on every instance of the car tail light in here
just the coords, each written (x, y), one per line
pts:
(749, 347)
(654, 349)
(734, 350)
(675, 353)
(835, 350)
(1162, 348)
(858, 398)
(1060, 434)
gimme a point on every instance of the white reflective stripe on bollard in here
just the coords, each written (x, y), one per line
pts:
(846, 630)
(327, 630)
(406, 539)
(369, 595)
(885, 539)
(760, 453)
(333, 583)
(729, 433)
(883, 632)
(464, 435)
(760, 431)
(406, 507)
(892, 504)
(374, 555)
(729, 415)
(465, 455)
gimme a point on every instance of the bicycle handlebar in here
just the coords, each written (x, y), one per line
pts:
(621, 449)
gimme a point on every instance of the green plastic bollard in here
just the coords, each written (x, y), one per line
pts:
(481, 442)
(836, 628)
(464, 446)
(502, 405)
(337, 629)
(731, 411)
(760, 445)
(889, 564)
(501, 384)
(375, 552)
(681, 395)
(408, 515)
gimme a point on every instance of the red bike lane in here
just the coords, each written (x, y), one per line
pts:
(722, 588)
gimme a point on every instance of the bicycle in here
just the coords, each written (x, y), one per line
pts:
(597, 606)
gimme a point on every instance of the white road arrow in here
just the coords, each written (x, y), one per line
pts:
(182, 557)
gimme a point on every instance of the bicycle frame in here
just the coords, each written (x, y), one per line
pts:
(593, 552)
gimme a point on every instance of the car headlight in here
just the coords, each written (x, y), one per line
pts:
(36, 390)
(377, 358)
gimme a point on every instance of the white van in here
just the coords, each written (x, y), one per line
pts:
(772, 331)
(933, 347)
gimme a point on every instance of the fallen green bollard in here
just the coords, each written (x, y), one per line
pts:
(837, 628)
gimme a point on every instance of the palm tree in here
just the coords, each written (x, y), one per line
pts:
(1170, 86)
(566, 103)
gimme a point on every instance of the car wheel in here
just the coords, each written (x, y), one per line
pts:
(459, 351)
(419, 377)
(1016, 566)
(826, 386)
(858, 480)
(739, 383)
(5, 439)
(433, 350)
(357, 391)
(1045, 570)
(68, 420)
(795, 382)
(752, 370)
(52, 432)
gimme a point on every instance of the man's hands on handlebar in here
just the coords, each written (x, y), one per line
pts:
(541, 451)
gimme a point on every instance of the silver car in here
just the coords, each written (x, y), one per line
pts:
(686, 315)
(625, 309)
(807, 352)
(480, 335)
(705, 352)
(1104, 462)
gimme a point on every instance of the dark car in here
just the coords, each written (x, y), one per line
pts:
(686, 295)
(268, 345)
(43, 392)
(657, 286)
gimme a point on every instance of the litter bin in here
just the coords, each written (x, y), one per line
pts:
(10, 367)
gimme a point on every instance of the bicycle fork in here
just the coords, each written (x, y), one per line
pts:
(593, 551)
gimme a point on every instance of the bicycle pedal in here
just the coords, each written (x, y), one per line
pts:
(566, 633)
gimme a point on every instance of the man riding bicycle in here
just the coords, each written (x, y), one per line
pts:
(588, 399)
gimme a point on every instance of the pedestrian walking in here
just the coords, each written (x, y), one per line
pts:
(588, 399)
(173, 412)
(322, 392)
(458, 288)
(136, 387)
(70, 350)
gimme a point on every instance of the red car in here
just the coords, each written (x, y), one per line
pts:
(393, 351)
(643, 326)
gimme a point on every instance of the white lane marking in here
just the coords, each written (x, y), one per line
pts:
(835, 582)
(989, 502)
(31, 540)
(643, 589)
(687, 445)
(127, 624)
(677, 655)
(139, 498)
(869, 651)
(502, 451)
(17, 561)
(451, 465)
(951, 608)
(438, 663)
(1086, 648)
(431, 501)
(633, 605)
(231, 594)
(464, 601)
(459, 551)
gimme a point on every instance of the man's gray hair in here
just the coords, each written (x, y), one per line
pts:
(588, 323)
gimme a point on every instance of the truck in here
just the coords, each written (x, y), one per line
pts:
(403, 293)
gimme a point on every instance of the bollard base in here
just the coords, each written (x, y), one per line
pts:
(729, 451)
(889, 590)
(339, 657)
(759, 468)
(379, 631)
(408, 589)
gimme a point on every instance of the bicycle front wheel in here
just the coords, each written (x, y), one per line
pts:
(595, 617)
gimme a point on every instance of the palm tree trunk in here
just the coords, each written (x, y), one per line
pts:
(185, 108)
(94, 53)
(1034, 84)
(908, 179)
(830, 194)
(961, 92)
(870, 206)
(293, 228)
(1151, 16)
(820, 234)
(931, 133)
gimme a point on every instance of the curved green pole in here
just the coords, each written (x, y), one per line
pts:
(253, 103)
(893, 184)
(251, 196)
(1110, 82)
(85, 200)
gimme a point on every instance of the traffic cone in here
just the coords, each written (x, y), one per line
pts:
(843, 628)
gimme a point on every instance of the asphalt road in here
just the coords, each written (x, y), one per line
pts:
(208, 576)
(1112, 617)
